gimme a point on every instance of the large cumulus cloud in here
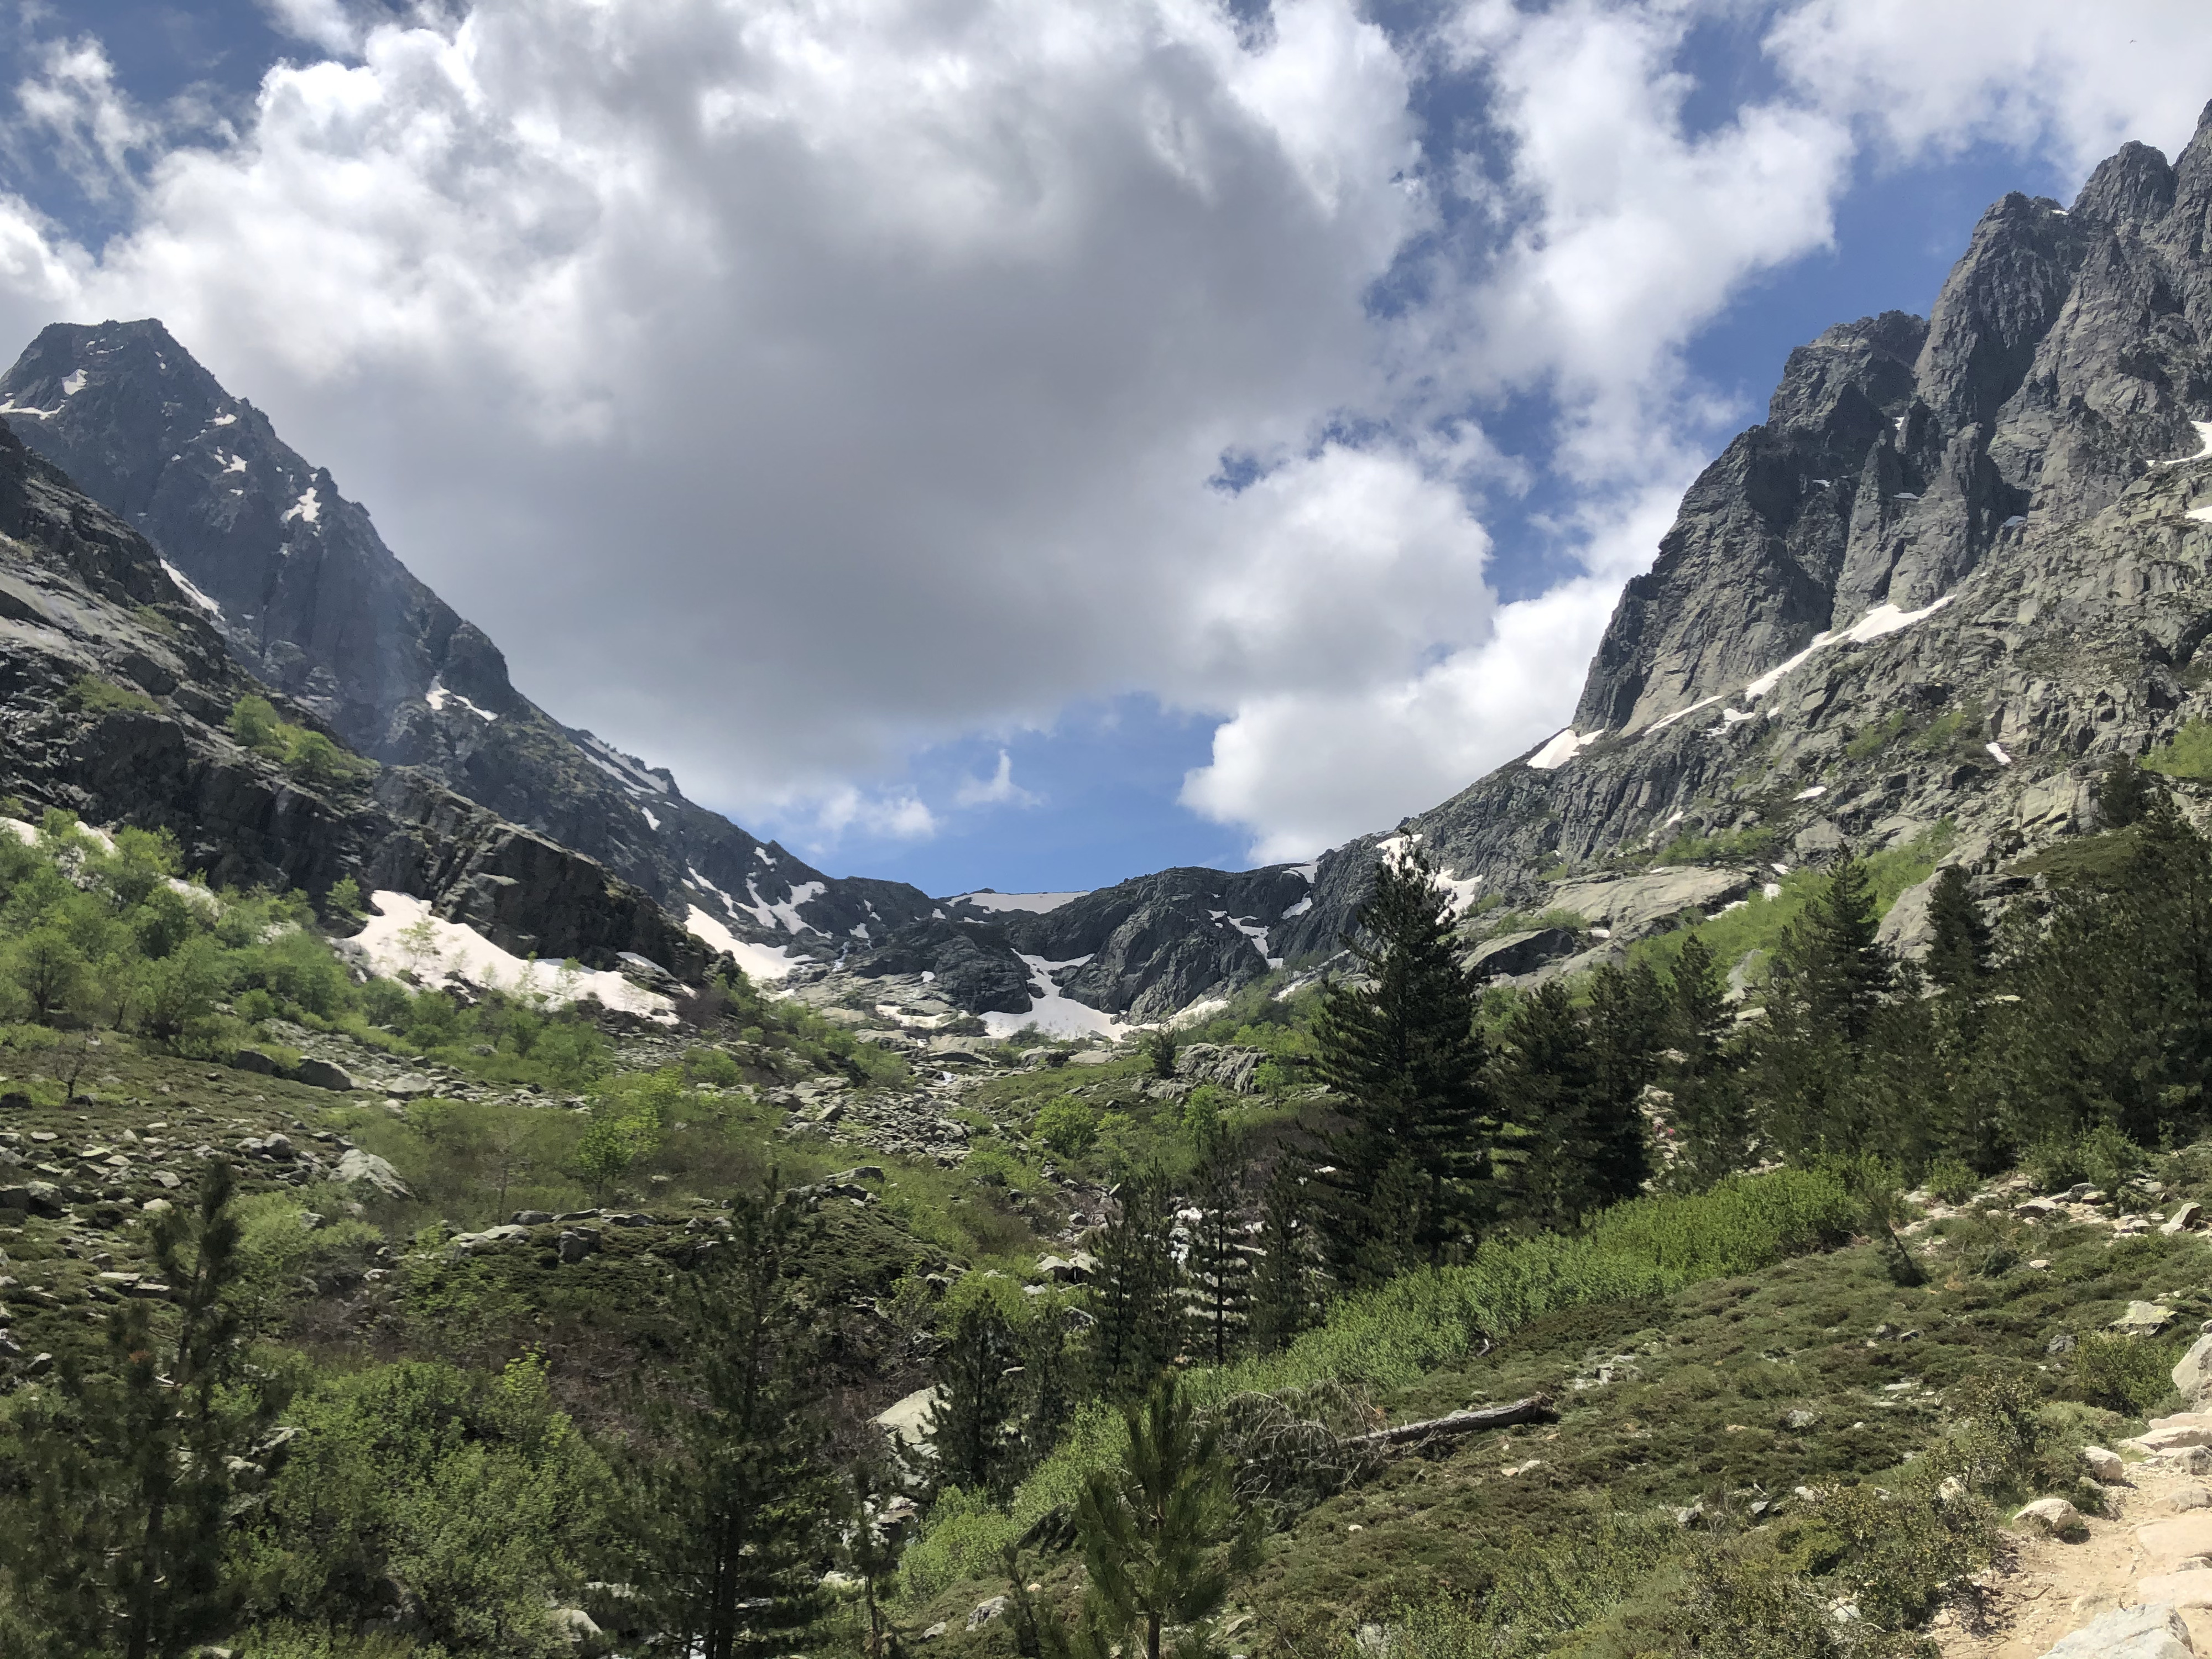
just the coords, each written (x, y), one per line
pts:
(789, 385)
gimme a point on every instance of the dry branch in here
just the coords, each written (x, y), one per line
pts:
(1535, 1408)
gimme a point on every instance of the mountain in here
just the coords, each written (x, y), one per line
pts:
(307, 598)
(1959, 567)
(114, 694)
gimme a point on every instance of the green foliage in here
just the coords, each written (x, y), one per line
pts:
(1755, 844)
(1069, 1127)
(2186, 754)
(93, 696)
(1872, 739)
(309, 755)
(1950, 1180)
(2124, 1374)
(471, 1490)
(1404, 1058)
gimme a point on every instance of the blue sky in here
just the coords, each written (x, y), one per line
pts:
(971, 522)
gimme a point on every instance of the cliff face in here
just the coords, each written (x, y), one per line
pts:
(114, 690)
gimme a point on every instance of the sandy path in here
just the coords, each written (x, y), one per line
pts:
(2052, 1587)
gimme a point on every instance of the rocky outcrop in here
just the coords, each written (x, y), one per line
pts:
(306, 596)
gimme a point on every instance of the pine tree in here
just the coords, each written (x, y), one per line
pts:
(128, 1479)
(735, 1495)
(1958, 952)
(874, 1551)
(1627, 1027)
(1134, 1293)
(1219, 1265)
(1547, 1088)
(1828, 984)
(1403, 1056)
(1162, 1532)
(1710, 1118)
(1282, 1286)
(967, 1425)
(2125, 793)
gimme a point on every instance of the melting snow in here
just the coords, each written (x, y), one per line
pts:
(2204, 446)
(1779, 869)
(1461, 890)
(1813, 793)
(2202, 515)
(761, 853)
(1905, 496)
(1878, 623)
(409, 936)
(1563, 747)
(1299, 908)
(1681, 713)
(787, 912)
(306, 509)
(1306, 873)
(1737, 716)
(1036, 904)
(651, 821)
(761, 962)
(11, 407)
(186, 588)
(437, 696)
(626, 769)
(73, 384)
(1997, 751)
(1051, 1012)
(2013, 523)
(1671, 821)
(222, 420)
(233, 462)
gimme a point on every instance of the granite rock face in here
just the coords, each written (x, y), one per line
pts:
(303, 592)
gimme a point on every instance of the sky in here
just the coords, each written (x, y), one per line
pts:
(1027, 443)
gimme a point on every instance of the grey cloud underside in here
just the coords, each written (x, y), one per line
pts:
(2021, 456)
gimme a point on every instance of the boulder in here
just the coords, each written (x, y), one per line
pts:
(1224, 1066)
(2153, 1631)
(1075, 1269)
(2053, 1515)
(1515, 954)
(2192, 1372)
(252, 1059)
(530, 1217)
(574, 1625)
(2105, 1465)
(986, 1611)
(2143, 1319)
(321, 1074)
(357, 1166)
(1633, 906)
(2190, 1587)
(2037, 1209)
(577, 1243)
(2187, 1218)
(906, 1419)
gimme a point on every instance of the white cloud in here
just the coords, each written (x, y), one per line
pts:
(999, 789)
(788, 387)
(2069, 81)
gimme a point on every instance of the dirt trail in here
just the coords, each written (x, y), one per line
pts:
(2132, 1557)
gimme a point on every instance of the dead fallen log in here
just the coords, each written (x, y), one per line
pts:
(1536, 1408)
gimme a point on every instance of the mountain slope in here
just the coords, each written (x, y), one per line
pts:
(307, 596)
(114, 691)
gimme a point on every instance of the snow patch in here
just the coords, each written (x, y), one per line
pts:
(1562, 747)
(1997, 753)
(1297, 909)
(1035, 904)
(1772, 889)
(1049, 1011)
(186, 586)
(223, 420)
(307, 510)
(625, 769)
(409, 936)
(1461, 890)
(1905, 496)
(2202, 515)
(2204, 446)
(233, 462)
(2013, 522)
(11, 407)
(1306, 873)
(437, 696)
(1878, 623)
(1682, 713)
(651, 822)
(1736, 717)
(1813, 793)
(73, 383)
(786, 913)
(760, 962)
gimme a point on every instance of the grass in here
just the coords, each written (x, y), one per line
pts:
(2186, 754)
(93, 696)
(1389, 1341)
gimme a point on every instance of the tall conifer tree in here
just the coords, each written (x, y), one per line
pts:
(1136, 1292)
(1401, 1053)
(1548, 1089)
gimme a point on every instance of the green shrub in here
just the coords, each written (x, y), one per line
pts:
(2123, 1374)
(1069, 1127)
(2186, 754)
(1952, 1180)
(92, 694)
